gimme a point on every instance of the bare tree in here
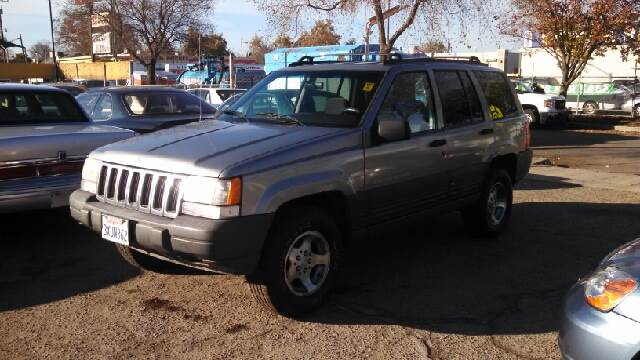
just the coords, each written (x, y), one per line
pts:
(150, 28)
(74, 27)
(405, 13)
(40, 51)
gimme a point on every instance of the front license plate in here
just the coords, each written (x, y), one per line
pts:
(115, 229)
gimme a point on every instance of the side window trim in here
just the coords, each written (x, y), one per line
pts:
(479, 95)
(99, 102)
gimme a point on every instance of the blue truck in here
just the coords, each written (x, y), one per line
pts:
(281, 58)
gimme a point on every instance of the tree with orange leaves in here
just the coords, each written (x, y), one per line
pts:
(573, 31)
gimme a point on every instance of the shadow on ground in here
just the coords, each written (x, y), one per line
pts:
(47, 256)
(440, 279)
(550, 138)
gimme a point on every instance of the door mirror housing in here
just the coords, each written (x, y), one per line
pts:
(392, 127)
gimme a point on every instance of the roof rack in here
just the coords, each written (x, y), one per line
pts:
(310, 60)
(393, 58)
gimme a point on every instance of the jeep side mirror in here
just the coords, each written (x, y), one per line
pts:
(392, 127)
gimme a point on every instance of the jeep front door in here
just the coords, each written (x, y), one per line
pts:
(406, 176)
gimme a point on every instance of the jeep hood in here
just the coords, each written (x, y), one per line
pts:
(207, 148)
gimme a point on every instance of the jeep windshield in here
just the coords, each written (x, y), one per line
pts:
(314, 98)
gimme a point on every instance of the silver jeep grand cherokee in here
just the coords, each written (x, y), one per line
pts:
(312, 158)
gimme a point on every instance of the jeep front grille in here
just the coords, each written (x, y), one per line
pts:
(142, 190)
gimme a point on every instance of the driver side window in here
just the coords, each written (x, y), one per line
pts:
(410, 99)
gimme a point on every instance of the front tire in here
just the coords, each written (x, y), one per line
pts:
(490, 215)
(142, 261)
(636, 112)
(299, 263)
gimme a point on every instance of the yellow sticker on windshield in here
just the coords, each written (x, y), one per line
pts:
(496, 113)
(368, 86)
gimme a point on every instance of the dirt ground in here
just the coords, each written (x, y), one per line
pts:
(428, 291)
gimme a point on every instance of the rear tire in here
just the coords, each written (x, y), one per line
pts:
(142, 261)
(533, 116)
(299, 263)
(490, 215)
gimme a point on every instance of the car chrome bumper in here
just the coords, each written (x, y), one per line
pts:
(231, 246)
(586, 333)
(37, 193)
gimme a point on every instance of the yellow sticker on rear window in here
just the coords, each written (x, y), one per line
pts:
(368, 86)
(496, 113)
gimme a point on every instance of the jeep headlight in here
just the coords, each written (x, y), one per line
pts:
(90, 172)
(211, 198)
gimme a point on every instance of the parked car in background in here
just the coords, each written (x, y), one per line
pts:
(313, 157)
(44, 139)
(215, 96)
(632, 106)
(540, 108)
(230, 101)
(72, 88)
(144, 108)
(601, 317)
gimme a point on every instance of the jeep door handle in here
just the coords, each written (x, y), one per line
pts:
(438, 143)
(486, 131)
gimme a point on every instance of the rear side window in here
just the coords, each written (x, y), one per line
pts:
(104, 108)
(460, 103)
(17, 108)
(164, 103)
(497, 90)
(88, 101)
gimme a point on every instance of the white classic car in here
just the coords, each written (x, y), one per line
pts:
(44, 139)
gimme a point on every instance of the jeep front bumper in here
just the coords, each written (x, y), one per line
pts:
(231, 246)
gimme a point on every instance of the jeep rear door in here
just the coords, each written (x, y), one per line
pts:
(469, 134)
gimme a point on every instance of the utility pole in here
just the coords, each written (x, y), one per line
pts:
(24, 53)
(6, 54)
(53, 45)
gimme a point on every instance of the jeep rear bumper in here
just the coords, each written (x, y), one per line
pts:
(231, 246)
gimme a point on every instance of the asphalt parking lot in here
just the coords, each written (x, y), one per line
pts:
(426, 291)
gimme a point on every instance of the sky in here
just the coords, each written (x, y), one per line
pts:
(237, 20)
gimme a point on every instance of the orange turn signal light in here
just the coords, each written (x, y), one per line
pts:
(234, 194)
(614, 291)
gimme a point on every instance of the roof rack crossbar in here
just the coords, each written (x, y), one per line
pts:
(392, 58)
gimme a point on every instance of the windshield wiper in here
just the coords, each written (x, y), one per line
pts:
(282, 118)
(237, 113)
